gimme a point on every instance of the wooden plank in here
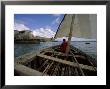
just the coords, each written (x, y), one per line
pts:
(43, 65)
(26, 57)
(78, 64)
(62, 73)
(56, 69)
(67, 62)
(76, 72)
(57, 53)
(47, 68)
(69, 70)
(66, 71)
(80, 56)
(26, 71)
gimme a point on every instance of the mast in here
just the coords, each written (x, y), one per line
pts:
(68, 44)
(70, 35)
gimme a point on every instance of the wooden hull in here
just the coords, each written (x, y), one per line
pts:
(51, 62)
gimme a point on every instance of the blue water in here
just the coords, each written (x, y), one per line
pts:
(20, 49)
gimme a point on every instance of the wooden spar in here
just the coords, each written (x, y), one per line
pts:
(69, 41)
(70, 35)
(55, 70)
(78, 64)
(52, 71)
(47, 68)
(26, 71)
(46, 60)
(76, 72)
(58, 53)
(69, 70)
(62, 73)
(67, 62)
(43, 64)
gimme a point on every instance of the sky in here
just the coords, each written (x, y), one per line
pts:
(43, 25)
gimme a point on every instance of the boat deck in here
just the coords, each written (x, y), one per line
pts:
(51, 62)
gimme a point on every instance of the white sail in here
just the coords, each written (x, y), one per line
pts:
(84, 26)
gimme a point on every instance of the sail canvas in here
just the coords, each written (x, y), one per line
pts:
(83, 26)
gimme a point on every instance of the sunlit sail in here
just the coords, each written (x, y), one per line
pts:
(83, 26)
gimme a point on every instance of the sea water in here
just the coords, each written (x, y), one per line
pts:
(89, 47)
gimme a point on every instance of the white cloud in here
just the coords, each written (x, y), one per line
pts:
(57, 20)
(44, 32)
(20, 27)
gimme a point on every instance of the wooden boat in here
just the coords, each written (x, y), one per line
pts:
(51, 62)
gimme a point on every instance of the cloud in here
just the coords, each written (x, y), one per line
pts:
(20, 27)
(57, 20)
(44, 32)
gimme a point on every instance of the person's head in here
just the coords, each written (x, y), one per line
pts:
(64, 40)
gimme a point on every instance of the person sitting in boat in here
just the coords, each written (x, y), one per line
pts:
(63, 46)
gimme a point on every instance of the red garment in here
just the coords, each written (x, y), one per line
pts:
(63, 47)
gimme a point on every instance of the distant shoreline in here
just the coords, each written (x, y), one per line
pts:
(26, 41)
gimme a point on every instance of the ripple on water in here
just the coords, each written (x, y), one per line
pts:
(20, 49)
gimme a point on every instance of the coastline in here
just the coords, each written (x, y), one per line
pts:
(26, 42)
